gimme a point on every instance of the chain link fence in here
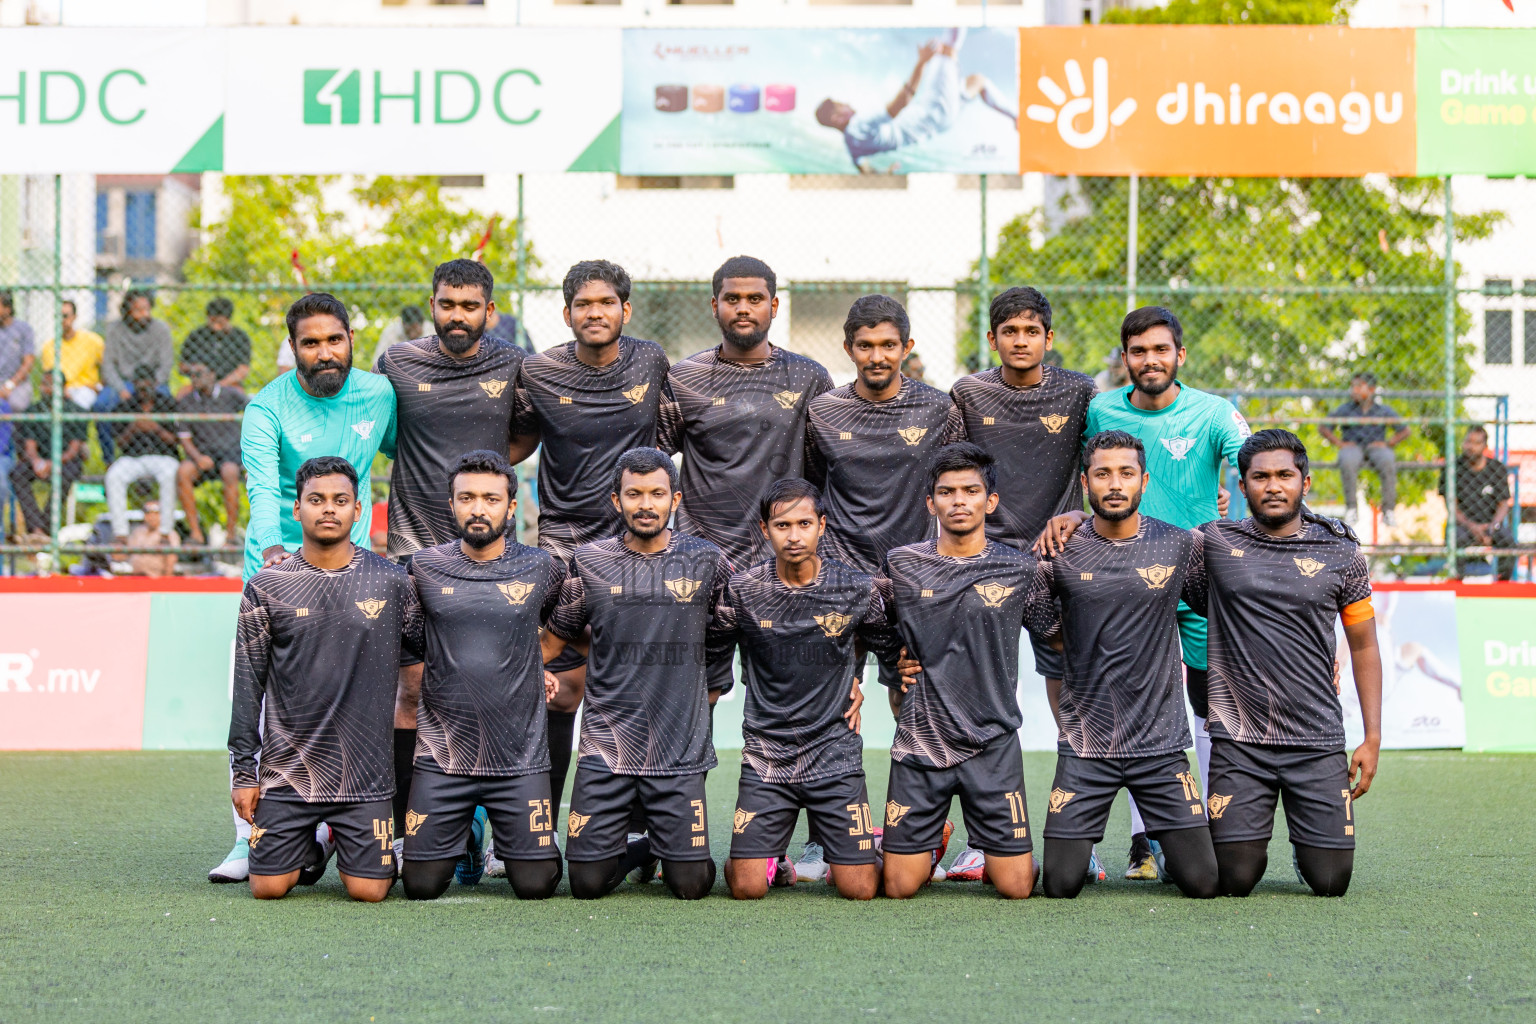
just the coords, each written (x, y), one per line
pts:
(1288, 290)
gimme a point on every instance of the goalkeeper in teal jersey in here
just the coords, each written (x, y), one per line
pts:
(1187, 434)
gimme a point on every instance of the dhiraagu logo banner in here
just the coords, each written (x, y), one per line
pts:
(1498, 671)
(128, 101)
(820, 101)
(1477, 101)
(421, 101)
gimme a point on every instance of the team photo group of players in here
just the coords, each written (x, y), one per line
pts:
(387, 708)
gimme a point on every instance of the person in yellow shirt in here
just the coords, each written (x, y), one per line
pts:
(81, 359)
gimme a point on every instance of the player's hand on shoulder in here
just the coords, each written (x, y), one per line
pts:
(1223, 501)
(245, 802)
(1057, 532)
(275, 554)
(1362, 767)
(856, 696)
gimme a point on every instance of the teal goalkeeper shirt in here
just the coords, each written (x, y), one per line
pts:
(284, 426)
(1185, 445)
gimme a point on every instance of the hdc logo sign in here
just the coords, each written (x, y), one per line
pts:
(338, 96)
(1175, 100)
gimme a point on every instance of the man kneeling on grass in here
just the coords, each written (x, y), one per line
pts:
(317, 657)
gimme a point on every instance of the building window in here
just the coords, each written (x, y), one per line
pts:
(994, 181)
(461, 181)
(1530, 336)
(1498, 332)
(645, 181)
(139, 225)
(103, 242)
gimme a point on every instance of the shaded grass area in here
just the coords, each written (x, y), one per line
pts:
(105, 913)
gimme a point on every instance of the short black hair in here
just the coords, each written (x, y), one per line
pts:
(1113, 440)
(130, 296)
(412, 315)
(71, 304)
(610, 274)
(874, 310)
(1477, 428)
(484, 461)
(641, 462)
(1272, 439)
(787, 492)
(960, 456)
(1365, 376)
(219, 306)
(745, 267)
(324, 465)
(8, 300)
(316, 304)
(1019, 300)
(462, 273)
(1140, 321)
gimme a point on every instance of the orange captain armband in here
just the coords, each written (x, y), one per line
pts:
(1357, 612)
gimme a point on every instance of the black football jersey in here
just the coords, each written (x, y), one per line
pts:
(740, 427)
(1122, 695)
(960, 618)
(1271, 604)
(646, 709)
(1036, 436)
(322, 648)
(444, 407)
(482, 709)
(871, 460)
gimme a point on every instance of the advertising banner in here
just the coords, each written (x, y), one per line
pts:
(72, 671)
(1477, 101)
(1498, 662)
(1420, 674)
(414, 101)
(125, 101)
(820, 101)
(1242, 100)
(189, 680)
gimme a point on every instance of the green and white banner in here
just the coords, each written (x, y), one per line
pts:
(1498, 668)
(1476, 101)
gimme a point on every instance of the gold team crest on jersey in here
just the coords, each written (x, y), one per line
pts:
(1155, 575)
(787, 399)
(574, 823)
(636, 394)
(993, 594)
(494, 388)
(683, 588)
(256, 833)
(833, 623)
(894, 812)
(1309, 566)
(1059, 799)
(413, 822)
(1218, 805)
(742, 820)
(912, 435)
(517, 591)
(1054, 422)
(371, 607)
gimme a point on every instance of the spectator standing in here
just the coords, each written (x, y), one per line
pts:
(151, 534)
(1483, 499)
(212, 447)
(33, 442)
(135, 340)
(222, 347)
(506, 327)
(146, 448)
(81, 359)
(408, 327)
(1359, 442)
(17, 345)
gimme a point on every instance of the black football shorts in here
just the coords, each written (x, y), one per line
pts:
(991, 790)
(1245, 779)
(441, 806)
(284, 833)
(674, 808)
(1166, 789)
(836, 807)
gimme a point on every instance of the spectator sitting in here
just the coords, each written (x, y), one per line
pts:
(136, 340)
(81, 359)
(212, 447)
(406, 328)
(16, 356)
(33, 444)
(152, 533)
(506, 327)
(217, 344)
(1483, 499)
(146, 449)
(1357, 442)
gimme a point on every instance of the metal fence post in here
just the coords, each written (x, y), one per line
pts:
(56, 405)
(983, 286)
(1450, 385)
(1132, 242)
(522, 260)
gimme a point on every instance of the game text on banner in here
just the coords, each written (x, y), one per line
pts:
(1477, 101)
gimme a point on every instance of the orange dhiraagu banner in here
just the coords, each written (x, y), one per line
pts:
(72, 671)
(1246, 100)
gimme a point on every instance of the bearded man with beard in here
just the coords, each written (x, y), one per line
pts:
(325, 407)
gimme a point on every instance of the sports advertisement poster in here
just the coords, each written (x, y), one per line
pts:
(1477, 101)
(1421, 691)
(820, 101)
(1498, 662)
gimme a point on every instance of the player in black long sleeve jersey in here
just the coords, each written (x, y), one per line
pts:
(1272, 586)
(480, 738)
(648, 596)
(798, 619)
(958, 602)
(317, 655)
(1120, 707)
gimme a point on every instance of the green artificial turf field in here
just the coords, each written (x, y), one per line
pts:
(105, 915)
